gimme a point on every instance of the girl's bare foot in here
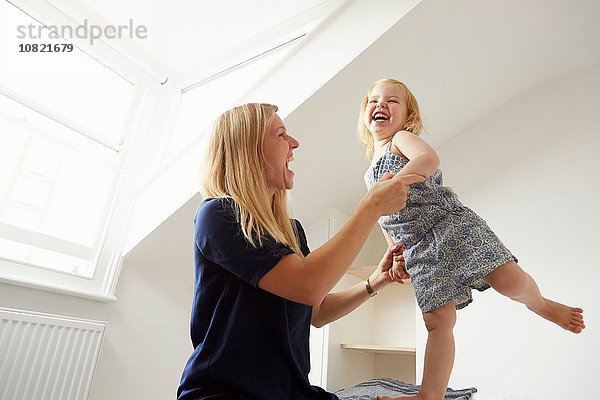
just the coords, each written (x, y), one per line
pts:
(569, 318)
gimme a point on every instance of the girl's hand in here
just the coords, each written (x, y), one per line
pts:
(382, 276)
(398, 271)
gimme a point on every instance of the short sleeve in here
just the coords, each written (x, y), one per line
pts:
(219, 238)
(302, 238)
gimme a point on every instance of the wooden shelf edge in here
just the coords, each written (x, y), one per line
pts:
(371, 348)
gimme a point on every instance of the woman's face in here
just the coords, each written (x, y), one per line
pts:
(278, 149)
(386, 111)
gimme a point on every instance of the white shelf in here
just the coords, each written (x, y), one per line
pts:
(376, 349)
(366, 271)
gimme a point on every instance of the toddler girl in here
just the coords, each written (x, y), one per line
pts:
(450, 250)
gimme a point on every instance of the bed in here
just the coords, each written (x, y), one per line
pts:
(369, 390)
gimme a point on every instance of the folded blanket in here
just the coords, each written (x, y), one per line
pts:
(369, 390)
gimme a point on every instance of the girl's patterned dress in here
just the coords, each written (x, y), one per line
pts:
(449, 248)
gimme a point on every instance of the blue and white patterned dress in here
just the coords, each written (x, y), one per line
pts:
(449, 248)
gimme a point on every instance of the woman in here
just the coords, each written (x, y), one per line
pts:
(257, 287)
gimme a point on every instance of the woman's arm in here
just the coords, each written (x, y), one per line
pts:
(308, 280)
(336, 305)
(423, 160)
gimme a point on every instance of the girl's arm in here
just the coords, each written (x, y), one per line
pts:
(388, 238)
(308, 280)
(423, 160)
(336, 305)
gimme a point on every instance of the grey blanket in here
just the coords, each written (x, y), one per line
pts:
(369, 390)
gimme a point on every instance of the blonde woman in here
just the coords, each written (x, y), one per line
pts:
(257, 286)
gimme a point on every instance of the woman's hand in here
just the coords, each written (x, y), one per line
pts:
(389, 193)
(391, 268)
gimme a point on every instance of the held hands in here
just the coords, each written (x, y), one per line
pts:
(389, 194)
(398, 271)
(384, 274)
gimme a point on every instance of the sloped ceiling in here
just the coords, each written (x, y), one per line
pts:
(190, 36)
(462, 59)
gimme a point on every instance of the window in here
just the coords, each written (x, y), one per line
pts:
(64, 122)
(55, 185)
(204, 101)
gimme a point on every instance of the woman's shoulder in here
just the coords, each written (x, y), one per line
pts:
(215, 208)
(216, 203)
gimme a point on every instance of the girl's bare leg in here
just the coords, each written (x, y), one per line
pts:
(510, 280)
(439, 353)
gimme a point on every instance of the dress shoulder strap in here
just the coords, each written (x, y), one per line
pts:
(389, 145)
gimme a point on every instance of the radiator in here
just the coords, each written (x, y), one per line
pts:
(47, 357)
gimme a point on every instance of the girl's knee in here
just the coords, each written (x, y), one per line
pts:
(509, 279)
(443, 317)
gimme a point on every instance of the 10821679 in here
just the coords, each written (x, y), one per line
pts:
(45, 48)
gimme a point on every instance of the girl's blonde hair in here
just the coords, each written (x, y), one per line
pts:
(233, 168)
(413, 124)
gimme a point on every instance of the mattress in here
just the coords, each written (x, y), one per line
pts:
(369, 390)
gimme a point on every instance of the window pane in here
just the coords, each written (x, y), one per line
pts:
(52, 180)
(49, 259)
(201, 105)
(71, 84)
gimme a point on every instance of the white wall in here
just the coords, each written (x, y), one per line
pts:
(388, 319)
(338, 366)
(530, 168)
(146, 343)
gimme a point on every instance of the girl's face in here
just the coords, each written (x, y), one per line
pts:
(386, 112)
(278, 149)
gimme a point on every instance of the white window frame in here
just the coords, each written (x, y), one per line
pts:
(255, 49)
(108, 251)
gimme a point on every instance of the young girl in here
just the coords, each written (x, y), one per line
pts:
(450, 250)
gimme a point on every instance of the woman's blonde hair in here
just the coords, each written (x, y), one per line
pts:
(233, 168)
(413, 124)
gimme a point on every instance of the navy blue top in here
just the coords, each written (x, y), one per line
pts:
(247, 341)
